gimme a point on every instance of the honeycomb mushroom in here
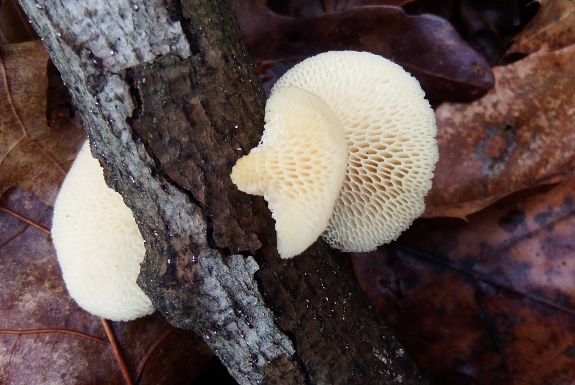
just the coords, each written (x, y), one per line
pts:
(299, 167)
(98, 244)
(390, 131)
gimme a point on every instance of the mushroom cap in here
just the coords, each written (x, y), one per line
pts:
(390, 131)
(98, 244)
(298, 167)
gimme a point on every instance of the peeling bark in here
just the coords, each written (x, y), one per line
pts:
(170, 100)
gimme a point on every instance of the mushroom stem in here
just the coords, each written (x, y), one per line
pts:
(247, 174)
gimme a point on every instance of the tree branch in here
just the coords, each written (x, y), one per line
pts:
(170, 100)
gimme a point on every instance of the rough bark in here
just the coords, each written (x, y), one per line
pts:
(170, 100)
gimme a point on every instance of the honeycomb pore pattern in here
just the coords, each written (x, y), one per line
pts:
(299, 167)
(390, 132)
(98, 244)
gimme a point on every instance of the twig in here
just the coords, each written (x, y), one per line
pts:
(117, 353)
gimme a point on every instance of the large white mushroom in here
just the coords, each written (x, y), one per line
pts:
(98, 244)
(390, 132)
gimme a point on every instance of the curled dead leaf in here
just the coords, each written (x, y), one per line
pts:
(425, 45)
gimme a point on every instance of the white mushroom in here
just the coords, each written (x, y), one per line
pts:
(390, 131)
(98, 244)
(298, 167)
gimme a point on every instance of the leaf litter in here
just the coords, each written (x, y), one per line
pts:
(425, 45)
(551, 29)
(491, 299)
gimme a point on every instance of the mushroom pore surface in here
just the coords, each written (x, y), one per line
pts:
(299, 167)
(98, 244)
(390, 132)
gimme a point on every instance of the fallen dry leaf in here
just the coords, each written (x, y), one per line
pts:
(490, 300)
(487, 25)
(37, 318)
(426, 46)
(520, 134)
(33, 156)
(552, 28)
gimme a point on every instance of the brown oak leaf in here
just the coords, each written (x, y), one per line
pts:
(519, 135)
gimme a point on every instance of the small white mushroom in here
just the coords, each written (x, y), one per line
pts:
(390, 131)
(98, 244)
(298, 167)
